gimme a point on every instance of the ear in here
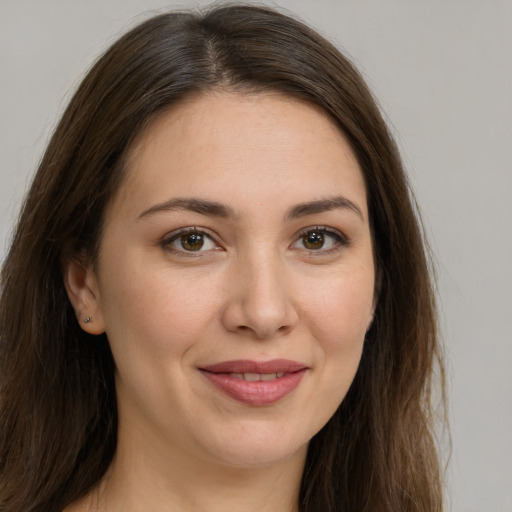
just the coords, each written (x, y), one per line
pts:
(376, 293)
(82, 288)
(371, 316)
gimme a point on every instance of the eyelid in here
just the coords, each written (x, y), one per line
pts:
(341, 239)
(169, 238)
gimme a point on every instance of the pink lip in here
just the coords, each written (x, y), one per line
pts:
(261, 392)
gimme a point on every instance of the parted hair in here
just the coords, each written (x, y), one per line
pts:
(58, 413)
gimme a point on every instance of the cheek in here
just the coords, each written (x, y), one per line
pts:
(338, 319)
(341, 309)
(153, 321)
(159, 313)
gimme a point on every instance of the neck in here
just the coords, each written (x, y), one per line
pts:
(147, 476)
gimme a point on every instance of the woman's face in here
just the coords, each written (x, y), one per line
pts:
(235, 279)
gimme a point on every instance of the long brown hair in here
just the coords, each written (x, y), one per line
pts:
(58, 418)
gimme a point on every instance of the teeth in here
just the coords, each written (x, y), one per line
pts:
(254, 377)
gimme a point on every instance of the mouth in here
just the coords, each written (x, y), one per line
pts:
(253, 382)
(254, 377)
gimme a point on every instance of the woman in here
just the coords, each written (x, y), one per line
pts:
(217, 295)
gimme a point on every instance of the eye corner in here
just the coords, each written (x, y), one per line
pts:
(322, 240)
(190, 241)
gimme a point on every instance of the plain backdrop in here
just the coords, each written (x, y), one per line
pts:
(442, 71)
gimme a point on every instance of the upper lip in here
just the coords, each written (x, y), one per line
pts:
(248, 366)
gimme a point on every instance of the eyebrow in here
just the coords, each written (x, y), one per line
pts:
(216, 209)
(202, 206)
(323, 205)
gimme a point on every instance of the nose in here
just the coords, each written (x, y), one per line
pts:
(260, 302)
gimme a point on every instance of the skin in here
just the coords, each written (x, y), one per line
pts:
(255, 290)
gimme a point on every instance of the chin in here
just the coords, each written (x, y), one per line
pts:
(256, 458)
(253, 447)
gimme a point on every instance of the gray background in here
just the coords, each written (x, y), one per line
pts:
(442, 71)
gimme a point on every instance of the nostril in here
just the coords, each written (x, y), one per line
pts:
(259, 313)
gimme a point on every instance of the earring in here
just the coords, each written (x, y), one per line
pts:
(88, 319)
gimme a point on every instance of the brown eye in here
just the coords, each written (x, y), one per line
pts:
(321, 240)
(192, 241)
(189, 241)
(313, 240)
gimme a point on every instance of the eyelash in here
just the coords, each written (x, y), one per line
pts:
(176, 235)
(340, 241)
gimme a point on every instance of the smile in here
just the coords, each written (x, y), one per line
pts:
(253, 377)
(255, 383)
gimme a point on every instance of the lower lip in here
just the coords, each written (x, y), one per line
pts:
(255, 392)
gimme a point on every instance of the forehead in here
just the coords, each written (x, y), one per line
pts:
(229, 144)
